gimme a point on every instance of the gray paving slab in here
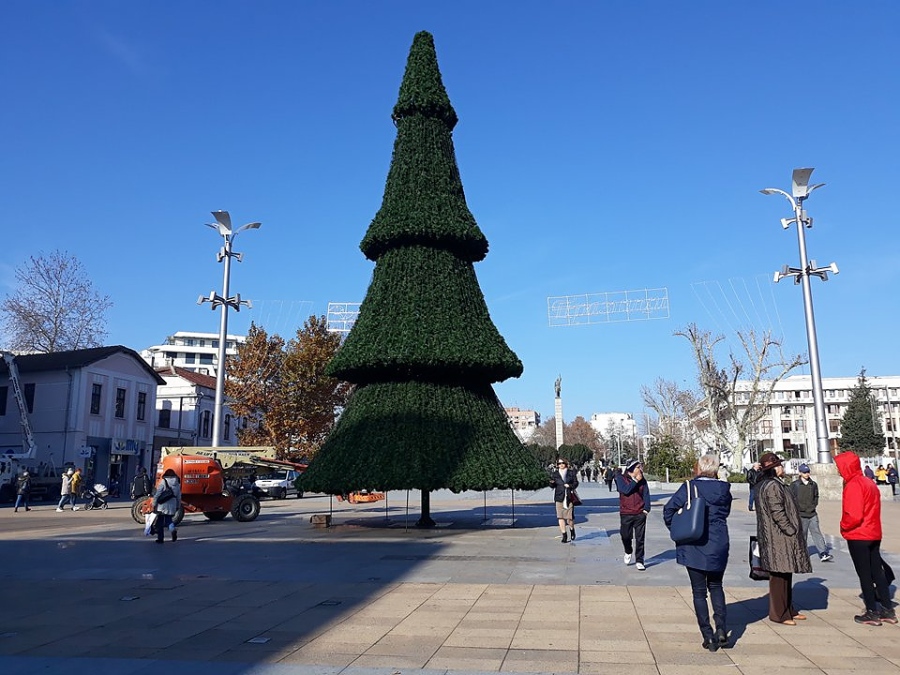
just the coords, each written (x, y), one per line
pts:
(492, 589)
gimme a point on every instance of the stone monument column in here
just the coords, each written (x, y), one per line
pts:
(558, 415)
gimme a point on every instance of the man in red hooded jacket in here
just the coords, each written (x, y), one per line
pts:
(861, 527)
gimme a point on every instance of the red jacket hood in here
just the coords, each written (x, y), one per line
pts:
(848, 465)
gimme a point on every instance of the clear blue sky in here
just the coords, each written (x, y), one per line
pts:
(603, 146)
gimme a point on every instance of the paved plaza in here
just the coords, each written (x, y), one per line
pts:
(490, 589)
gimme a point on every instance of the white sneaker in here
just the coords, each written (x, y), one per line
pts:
(627, 558)
(641, 567)
(59, 510)
(74, 508)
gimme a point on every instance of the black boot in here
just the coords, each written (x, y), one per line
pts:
(721, 637)
(710, 643)
(572, 534)
(565, 538)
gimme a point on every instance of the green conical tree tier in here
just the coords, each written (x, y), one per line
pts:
(424, 350)
(419, 435)
(424, 318)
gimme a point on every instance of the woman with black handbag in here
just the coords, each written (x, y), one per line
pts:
(564, 480)
(706, 556)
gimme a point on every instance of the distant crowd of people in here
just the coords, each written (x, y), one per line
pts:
(786, 520)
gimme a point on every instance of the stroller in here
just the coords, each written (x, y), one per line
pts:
(95, 497)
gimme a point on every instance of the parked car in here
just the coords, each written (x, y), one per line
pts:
(279, 484)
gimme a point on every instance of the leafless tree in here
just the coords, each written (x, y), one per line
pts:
(736, 397)
(54, 306)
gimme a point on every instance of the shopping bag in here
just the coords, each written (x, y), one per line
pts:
(757, 573)
(689, 522)
(149, 522)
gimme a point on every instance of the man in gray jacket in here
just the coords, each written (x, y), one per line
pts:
(806, 490)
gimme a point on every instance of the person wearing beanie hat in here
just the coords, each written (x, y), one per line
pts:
(806, 490)
(634, 505)
(782, 548)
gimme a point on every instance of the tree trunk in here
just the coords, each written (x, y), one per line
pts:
(425, 519)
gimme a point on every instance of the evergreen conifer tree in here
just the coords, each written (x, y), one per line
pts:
(424, 351)
(860, 426)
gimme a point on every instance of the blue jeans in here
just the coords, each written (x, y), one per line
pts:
(701, 582)
(21, 500)
(70, 498)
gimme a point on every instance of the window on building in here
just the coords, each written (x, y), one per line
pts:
(889, 424)
(785, 426)
(96, 391)
(202, 343)
(189, 342)
(215, 344)
(172, 355)
(833, 409)
(829, 393)
(765, 427)
(142, 406)
(120, 403)
(190, 358)
(799, 425)
(226, 434)
(834, 426)
(786, 410)
(29, 397)
(165, 418)
(205, 423)
(797, 394)
(4, 393)
(206, 358)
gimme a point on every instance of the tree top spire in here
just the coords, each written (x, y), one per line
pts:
(422, 91)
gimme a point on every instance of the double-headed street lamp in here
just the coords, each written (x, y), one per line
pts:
(223, 227)
(800, 191)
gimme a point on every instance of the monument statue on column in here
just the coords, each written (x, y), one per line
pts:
(558, 412)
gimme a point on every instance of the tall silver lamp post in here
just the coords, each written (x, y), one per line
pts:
(223, 227)
(800, 191)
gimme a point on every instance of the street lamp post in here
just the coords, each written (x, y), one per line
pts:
(223, 227)
(800, 191)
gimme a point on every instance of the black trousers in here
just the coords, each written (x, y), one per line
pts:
(701, 582)
(633, 526)
(866, 557)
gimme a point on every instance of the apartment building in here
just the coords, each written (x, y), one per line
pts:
(789, 422)
(614, 423)
(523, 422)
(190, 350)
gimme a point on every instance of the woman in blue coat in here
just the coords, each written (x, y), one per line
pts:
(707, 557)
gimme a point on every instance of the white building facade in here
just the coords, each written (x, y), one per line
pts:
(789, 425)
(89, 408)
(194, 351)
(615, 423)
(184, 411)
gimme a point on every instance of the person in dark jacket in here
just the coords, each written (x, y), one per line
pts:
(563, 480)
(752, 478)
(806, 490)
(141, 485)
(782, 549)
(707, 557)
(892, 478)
(609, 476)
(634, 505)
(861, 527)
(23, 491)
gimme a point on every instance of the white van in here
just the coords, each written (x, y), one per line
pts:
(279, 483)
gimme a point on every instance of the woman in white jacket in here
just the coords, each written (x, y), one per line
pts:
(166, 500)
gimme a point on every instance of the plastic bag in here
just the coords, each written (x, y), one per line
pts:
(149, 522)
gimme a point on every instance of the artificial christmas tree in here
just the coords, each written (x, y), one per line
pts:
(424, 351)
